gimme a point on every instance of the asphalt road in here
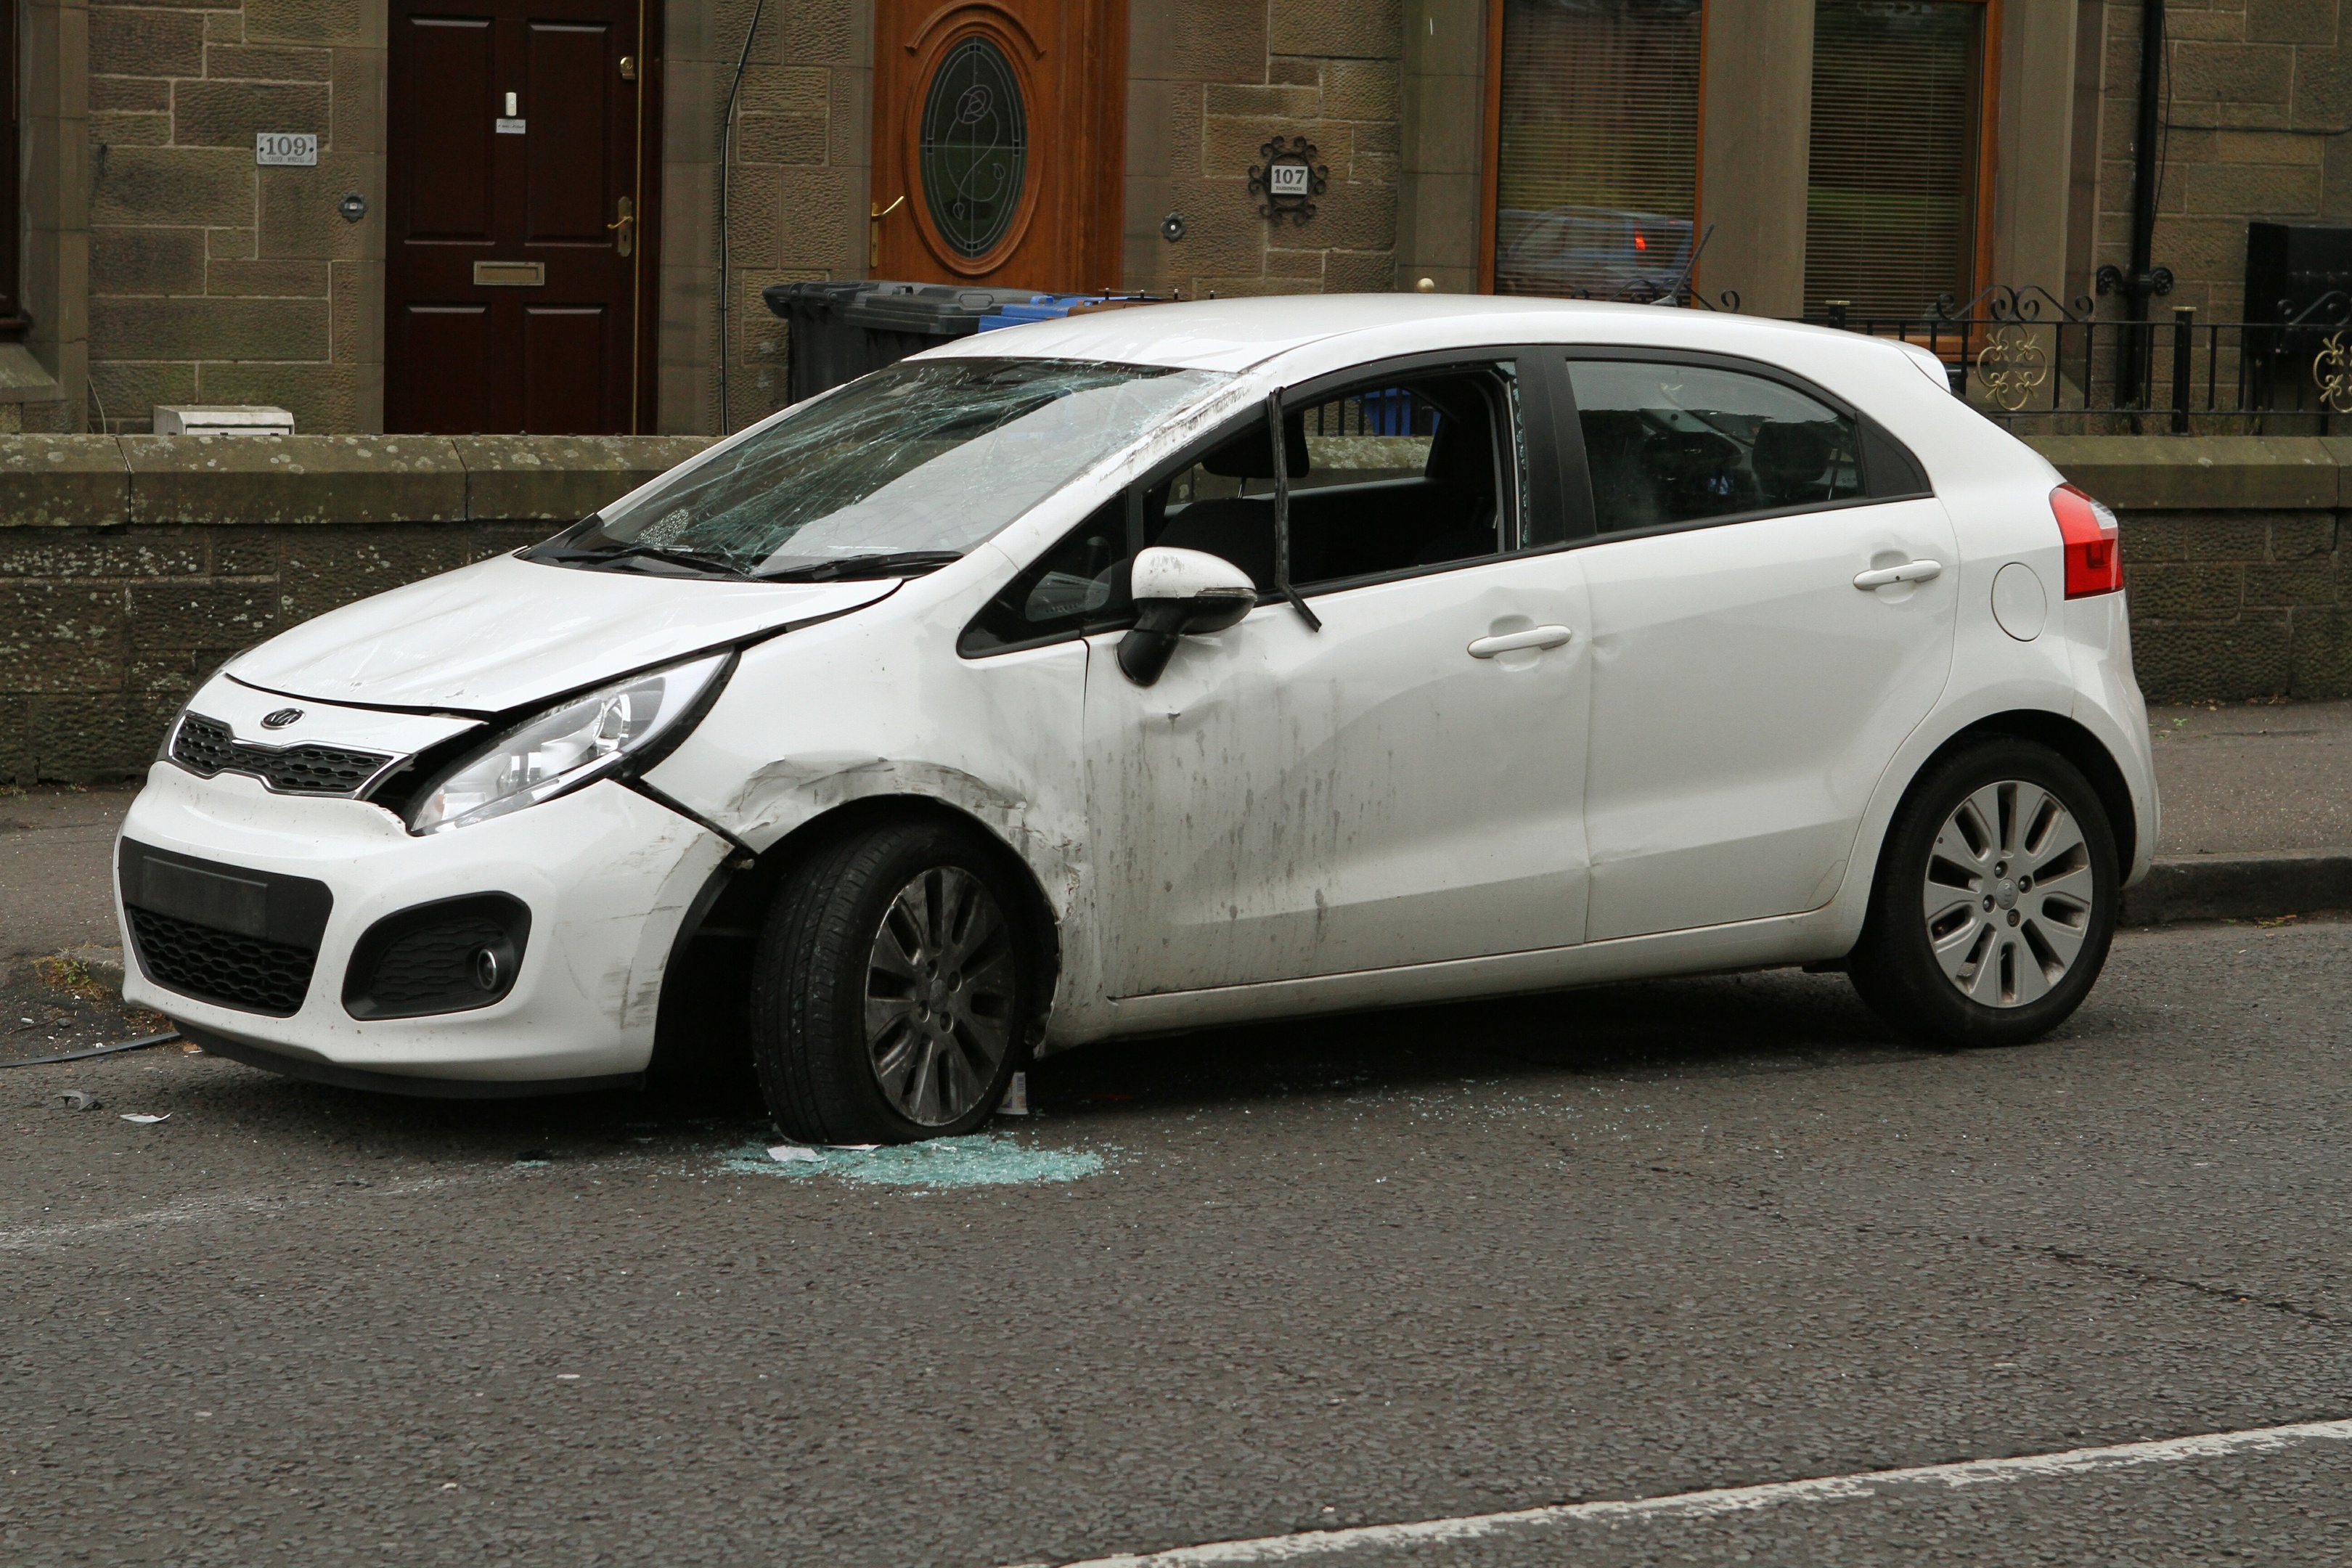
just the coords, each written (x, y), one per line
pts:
(1621, 1244)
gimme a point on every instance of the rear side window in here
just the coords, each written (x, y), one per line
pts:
(1682, 443)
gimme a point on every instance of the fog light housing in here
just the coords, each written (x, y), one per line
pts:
(452, 955)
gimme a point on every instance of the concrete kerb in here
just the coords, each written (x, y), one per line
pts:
(2247, 886)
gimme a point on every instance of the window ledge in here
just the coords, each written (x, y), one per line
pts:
(22, 379)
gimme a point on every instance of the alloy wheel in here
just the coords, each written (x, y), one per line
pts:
(939, 997)
(2008, 895)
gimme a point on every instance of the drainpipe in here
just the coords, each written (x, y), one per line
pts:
(2145, 281)
(726, 167)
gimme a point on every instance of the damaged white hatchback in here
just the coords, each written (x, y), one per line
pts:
(1177, 667)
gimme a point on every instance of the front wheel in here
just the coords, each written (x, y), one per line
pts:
(1995, 898)
(890, 990)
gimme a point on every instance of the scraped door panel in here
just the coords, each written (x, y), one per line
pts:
(1746, 699)
(1286, 803)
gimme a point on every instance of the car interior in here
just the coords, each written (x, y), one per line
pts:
(1667, 444)
(1381, 479)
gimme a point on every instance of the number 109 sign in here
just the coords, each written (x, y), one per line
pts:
(286, 149)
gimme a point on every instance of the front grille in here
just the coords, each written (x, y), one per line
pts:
(236, 971)
(205, 746)
(429, 959)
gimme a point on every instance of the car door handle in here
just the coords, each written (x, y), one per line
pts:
(1909, 572)
(1511, 642)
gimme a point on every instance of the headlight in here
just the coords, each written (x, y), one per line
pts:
(565, 747)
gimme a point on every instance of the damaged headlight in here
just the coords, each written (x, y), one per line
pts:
(584, 738)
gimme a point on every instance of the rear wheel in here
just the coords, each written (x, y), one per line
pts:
(890, 989)
(1995, 898)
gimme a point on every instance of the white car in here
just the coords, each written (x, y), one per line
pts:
(1175, 666)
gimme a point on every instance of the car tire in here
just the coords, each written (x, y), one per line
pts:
(890, 989)
(1995, 898)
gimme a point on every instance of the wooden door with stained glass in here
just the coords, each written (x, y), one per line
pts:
(998, 142)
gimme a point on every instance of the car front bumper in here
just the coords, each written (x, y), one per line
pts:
(607, 874)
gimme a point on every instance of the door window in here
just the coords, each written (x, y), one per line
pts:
(1680, 443)
(1401, 474)
(975, 146)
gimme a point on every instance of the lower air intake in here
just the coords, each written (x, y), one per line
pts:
(248, 972)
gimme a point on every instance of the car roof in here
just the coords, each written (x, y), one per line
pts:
(1234, 335)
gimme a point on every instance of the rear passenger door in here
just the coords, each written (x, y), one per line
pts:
(1384, 787)
(1748, 692)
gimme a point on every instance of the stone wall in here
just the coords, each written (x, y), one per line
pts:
(2258, 94)
(2234, 556)
(212, 280)
(1209, 82)
(130, 567)
(797, 194)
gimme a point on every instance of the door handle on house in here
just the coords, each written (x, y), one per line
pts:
(625, 242)
(1909, 572)
(874, 216)
(1511, 642)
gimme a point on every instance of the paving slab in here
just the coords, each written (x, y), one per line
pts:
(2254, 776)
(56, 887)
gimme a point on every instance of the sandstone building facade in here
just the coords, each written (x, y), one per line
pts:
(492, 215)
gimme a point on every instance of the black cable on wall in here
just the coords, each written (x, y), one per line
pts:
(725, 168)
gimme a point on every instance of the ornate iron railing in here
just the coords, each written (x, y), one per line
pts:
(2025, 357)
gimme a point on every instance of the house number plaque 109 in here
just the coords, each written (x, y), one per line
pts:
(286, 149)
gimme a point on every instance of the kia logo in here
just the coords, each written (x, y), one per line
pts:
(279, 719)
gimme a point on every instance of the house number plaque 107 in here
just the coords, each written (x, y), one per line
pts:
(1289, 180)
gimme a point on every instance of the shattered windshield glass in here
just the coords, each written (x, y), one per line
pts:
(901, 471)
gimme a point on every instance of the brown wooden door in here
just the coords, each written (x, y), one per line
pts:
(998, 138)
(520, 214)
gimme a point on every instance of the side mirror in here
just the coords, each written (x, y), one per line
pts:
(1180, 593)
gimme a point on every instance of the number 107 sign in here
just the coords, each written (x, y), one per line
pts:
(286, 149)
(1289, 180)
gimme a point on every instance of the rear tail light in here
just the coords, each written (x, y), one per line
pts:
(2094, 553)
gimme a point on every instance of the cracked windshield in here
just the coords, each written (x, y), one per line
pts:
(906, 469)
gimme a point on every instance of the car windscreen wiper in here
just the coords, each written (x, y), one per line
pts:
(896, 562)
(695, 557)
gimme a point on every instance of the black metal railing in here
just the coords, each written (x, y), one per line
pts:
(2031, 360)
(2025, 358)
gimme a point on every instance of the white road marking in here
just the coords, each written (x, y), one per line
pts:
(1338, 1544)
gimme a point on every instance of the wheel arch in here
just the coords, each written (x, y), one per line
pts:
(703, 1024)
(2071, 741)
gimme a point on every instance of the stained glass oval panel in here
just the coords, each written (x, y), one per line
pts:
(974, 150)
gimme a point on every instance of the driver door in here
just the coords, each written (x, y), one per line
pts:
(1390, 789)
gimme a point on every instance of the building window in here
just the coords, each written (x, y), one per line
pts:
(1596, 142)
(1896, 172)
